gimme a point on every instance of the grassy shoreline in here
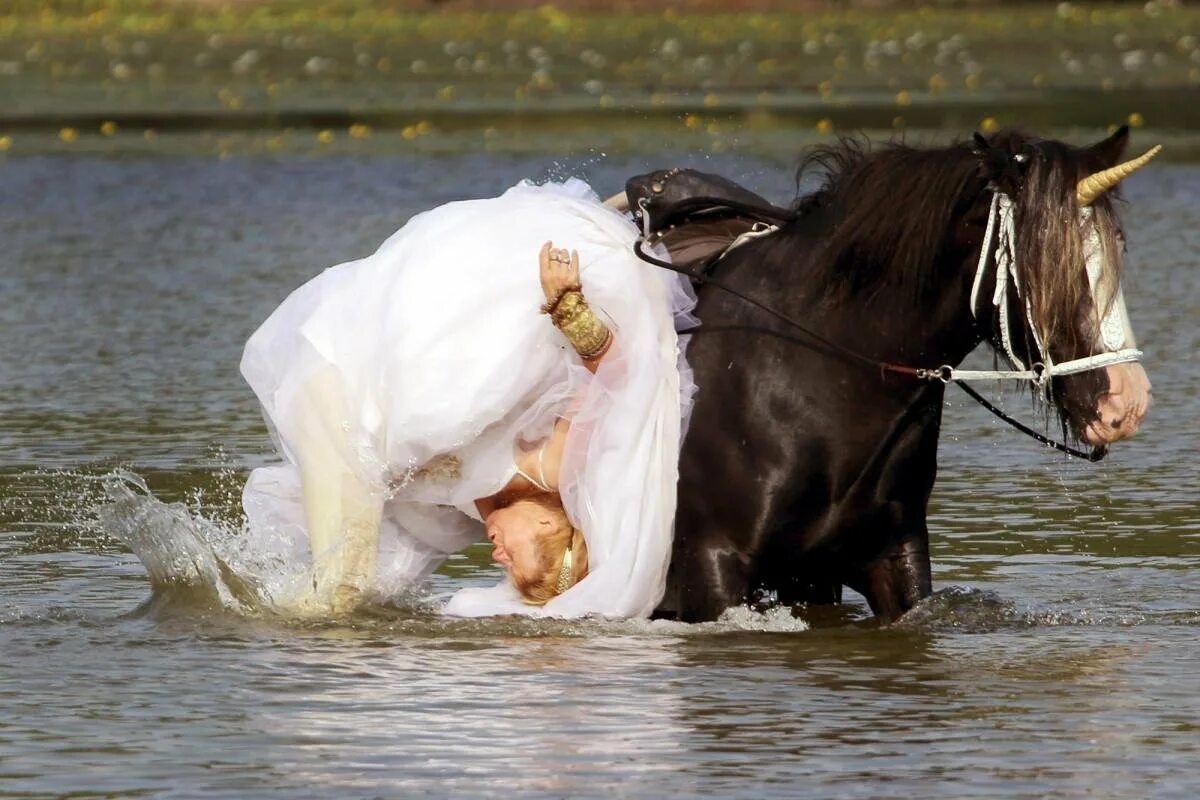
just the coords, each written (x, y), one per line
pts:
(361, 68)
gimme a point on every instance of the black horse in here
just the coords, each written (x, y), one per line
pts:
(809, 468)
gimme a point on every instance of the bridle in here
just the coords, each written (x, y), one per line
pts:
(1000, 229)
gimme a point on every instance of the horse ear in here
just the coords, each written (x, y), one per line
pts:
(993, 161)
(1110, 151)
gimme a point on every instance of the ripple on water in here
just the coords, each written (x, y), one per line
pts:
(1059, 661)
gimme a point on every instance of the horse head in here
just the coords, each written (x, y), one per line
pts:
(1051, 260)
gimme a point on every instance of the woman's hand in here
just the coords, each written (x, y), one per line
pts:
(559, 271)
(566, 306)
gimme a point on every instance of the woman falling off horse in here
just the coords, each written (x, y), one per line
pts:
(472, 379)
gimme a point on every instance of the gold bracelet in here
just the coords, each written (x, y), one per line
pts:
(549, 306)
(586, 332)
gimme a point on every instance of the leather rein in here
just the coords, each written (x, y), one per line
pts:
(1038, 373)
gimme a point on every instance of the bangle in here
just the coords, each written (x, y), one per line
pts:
(608, 340)
(549, 306)
(586, 332)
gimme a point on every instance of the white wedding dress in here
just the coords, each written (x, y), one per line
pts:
(398, 386)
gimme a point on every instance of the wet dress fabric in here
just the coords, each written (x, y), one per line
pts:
(405, 382)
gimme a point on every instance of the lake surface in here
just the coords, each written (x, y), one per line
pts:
(1058, 657)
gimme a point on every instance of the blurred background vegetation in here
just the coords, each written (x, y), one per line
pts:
(292, 75)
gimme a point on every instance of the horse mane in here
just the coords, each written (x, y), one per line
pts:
(888, 217)
(889, 212)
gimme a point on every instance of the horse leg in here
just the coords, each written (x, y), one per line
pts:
(898, 578)
(707, 580)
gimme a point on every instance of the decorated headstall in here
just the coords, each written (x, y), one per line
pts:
(998, 252)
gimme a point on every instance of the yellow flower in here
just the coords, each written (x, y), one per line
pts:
(825, 126)
(68, 134)
(359, 131)
(5, 143)
(325, 137)
(108, 127)
(1137, 120)
(989, 125)
(903, 98)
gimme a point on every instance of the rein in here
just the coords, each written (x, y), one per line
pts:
(1038, 373)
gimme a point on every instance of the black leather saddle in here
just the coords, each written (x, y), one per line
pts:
(696, 216)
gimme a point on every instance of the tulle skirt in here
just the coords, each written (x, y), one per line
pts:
(398, 386)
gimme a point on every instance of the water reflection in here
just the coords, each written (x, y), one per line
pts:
(532, 715)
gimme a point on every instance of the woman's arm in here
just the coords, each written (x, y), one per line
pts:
(591, 338)
(565, 303)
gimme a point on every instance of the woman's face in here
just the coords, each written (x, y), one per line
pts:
(514, 530)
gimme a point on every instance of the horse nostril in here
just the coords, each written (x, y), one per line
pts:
(1116, 423)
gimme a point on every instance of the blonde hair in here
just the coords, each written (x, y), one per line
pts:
(551, 549)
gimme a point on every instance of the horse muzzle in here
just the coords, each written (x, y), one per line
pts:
(1120, 411)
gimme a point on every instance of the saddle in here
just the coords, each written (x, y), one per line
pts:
(697, 216)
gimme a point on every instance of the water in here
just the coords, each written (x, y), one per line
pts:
(1057, 659)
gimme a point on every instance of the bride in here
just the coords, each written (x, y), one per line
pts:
(469, 380)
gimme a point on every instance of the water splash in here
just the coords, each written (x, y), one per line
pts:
(193, 560)
(968, 610)
(181, 550)
(195, 557)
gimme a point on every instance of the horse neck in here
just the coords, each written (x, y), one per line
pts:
(893, 324)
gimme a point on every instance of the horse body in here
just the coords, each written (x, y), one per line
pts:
(803, 471)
